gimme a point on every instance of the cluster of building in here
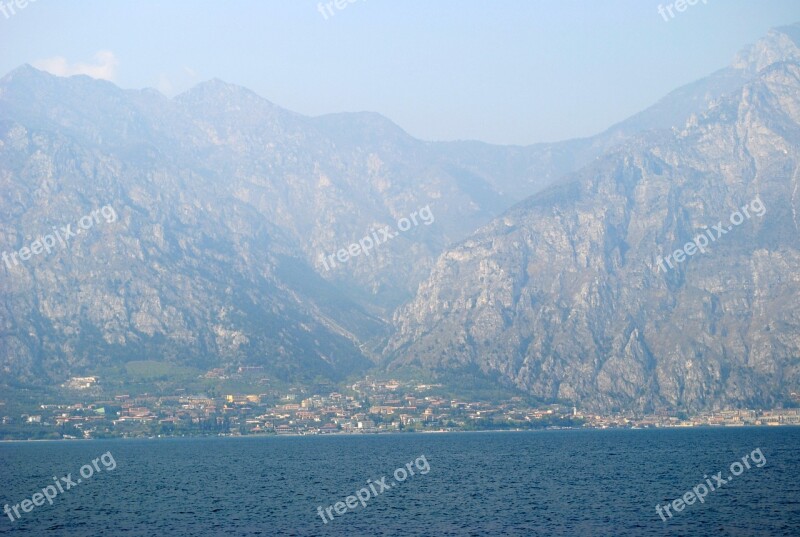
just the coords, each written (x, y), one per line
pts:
(722, 418)
(368, 406)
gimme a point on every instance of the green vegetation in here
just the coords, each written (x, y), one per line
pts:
(151, 370)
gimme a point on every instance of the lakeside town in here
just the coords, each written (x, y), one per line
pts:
(367, 406)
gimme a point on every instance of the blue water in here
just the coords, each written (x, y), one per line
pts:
(548, 483)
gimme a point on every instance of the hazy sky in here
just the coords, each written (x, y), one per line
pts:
(515, 71)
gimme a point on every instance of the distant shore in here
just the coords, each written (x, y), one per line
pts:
(368, 435)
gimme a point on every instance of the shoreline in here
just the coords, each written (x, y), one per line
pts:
(372, 435)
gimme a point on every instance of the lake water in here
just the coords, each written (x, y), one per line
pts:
(570, 483)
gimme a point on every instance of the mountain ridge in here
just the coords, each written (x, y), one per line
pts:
(227, 202)
(597, 324)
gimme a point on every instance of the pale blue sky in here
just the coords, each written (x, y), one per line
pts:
(514, 71)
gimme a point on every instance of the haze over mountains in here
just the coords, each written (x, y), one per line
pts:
(563, 297)
(538, 271)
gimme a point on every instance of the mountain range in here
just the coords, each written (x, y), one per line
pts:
(539, 272)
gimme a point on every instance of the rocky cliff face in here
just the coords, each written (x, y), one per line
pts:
(226, 205)
(569, 295)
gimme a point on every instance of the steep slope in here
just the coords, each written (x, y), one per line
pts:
(564, 296)
(226, 205)
(162, 273)
(780, 44)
